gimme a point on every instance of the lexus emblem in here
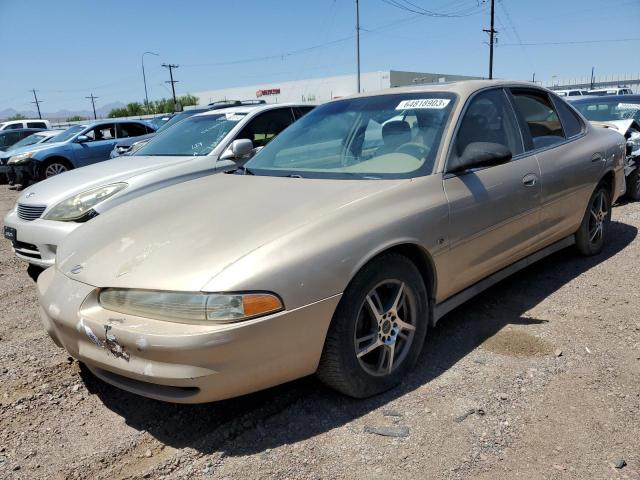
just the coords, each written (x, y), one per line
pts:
(76, 269)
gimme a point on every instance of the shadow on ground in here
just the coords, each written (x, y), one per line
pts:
(305, 408)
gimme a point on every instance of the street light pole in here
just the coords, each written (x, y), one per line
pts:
(144, 79)
(358, 40)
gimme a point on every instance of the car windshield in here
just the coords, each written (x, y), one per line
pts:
(30, 140)
(196, 136)
(601, 110)
(69, 133)
(178, 117)
(384, 136)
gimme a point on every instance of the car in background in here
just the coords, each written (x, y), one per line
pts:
(130, 146)
(33, 139)
(211, 142)
(621, 113)
(327, 254)
(27, 123)
(77, 146)
(10, 137)
(575, 92)
(611, 91)
(157, 122)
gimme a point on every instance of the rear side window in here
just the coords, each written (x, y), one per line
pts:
(489, 118)
(571, 123)
(13, 126)
(540, 116)
(36, 125)
(300, 111)
(267, 125)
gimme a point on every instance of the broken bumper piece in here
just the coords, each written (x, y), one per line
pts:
(178, 362)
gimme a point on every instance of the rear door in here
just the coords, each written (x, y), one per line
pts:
(568, 164)
(494, 211)
(101, 141)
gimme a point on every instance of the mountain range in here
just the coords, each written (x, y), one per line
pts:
(61, 115)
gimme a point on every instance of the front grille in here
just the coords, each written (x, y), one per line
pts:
(30, 212)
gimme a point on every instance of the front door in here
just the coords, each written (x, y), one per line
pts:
(101, 141)
(494, 212)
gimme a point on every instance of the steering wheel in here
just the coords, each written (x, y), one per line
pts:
(414, 149)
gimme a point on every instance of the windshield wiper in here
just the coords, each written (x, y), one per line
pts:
(244, 170)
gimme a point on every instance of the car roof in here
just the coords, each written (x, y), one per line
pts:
(33, 130)
(462, 87)
(251, 108)
(606, 98)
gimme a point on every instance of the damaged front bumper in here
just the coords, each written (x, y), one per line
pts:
(177, 362)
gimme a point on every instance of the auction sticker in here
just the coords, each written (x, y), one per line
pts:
(629, 106)
(423, 103)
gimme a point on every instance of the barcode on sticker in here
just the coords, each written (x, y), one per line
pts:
(423, 103)
(629, 106)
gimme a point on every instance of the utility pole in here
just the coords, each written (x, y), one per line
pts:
(93, 104)
(491, 31)
(171, 66)
(37, 102)
(144, 79)
(533, 80)
(592, 78)
(358, 41)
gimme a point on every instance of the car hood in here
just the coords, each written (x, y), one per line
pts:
(60, 187)
(29, 148)
(180, 237)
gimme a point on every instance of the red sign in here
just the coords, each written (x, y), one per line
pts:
(270, 91)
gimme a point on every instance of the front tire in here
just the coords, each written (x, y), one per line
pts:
(633, 184)
(592, 234)
(378, 329)
(54, 167)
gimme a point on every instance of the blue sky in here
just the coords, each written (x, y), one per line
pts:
(69, 49)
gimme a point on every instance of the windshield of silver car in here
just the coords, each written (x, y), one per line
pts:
(376, 137)
(195, 136)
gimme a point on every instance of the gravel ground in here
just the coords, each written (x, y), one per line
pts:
(535, 378)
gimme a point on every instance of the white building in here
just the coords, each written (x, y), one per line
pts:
(323, 89)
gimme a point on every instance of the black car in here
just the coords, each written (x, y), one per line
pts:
(7, 139)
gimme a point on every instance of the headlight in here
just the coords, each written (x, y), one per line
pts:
(189, 307)
(79, 205)
(20, 158)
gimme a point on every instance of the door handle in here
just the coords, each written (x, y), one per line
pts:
(530, 180)
(596, 157)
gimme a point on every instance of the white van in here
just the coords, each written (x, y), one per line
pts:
(571, 93)
(26, 123)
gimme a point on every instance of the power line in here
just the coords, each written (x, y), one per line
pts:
(576, 42)
(93, 104)
(173, 82)
(409, 6)
(37, 102)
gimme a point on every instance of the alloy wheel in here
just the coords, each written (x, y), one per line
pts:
(54, 169)
(385, 327)
(598, 213)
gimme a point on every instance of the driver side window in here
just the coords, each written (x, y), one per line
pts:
(489, 118)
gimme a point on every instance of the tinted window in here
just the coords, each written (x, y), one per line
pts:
(9, 139)
(131, 130)
(489, 118)
(539, 114)
(36, 125)
(266, 125)
(573, 94)
(300, 111)
(570, 121)
(13, 126)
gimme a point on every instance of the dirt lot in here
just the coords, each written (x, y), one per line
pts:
(536, 378)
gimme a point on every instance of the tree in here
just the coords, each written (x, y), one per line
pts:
(163, 105)
(18, 116)
(76, 118)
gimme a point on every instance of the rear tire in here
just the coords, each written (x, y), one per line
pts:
(377, 330)
(592, 234)
(633, 184)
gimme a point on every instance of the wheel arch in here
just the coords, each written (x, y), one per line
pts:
(419, 256)
(57, 157)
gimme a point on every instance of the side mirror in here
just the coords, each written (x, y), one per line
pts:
(239, 148)
(480, 154)
(82, 139)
